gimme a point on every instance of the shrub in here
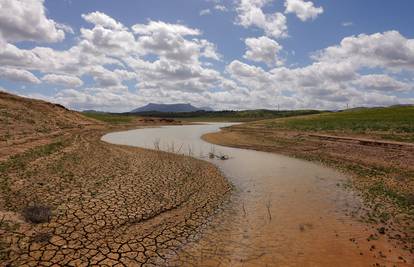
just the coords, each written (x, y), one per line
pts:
(37, 213)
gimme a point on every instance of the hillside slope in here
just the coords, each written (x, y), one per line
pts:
(24, 116)
(25, 120)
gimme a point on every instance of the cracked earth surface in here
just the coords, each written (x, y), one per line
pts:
(112, 205)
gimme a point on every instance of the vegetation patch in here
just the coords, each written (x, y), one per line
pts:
(37, 213)
(110, 117)
(19, 161)
(234, 116)
(394, 123)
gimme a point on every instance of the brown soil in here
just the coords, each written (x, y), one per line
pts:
(111, 205)
(382, 173)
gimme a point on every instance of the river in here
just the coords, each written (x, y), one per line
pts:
(282, 212)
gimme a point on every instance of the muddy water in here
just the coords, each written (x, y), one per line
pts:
(283, 211)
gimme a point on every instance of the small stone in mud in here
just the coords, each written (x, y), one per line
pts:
(381, 230)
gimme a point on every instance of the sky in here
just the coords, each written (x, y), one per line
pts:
(226, 54)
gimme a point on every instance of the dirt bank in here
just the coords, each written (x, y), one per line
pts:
(70, 199)
(382, 174)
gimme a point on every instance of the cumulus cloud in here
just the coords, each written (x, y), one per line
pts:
(160, 26)
(382, 83)
(250, 13)
(26, 21)
(388, 50)
(65, 80)
(18, 75)
(263, 49)
(101, 19)
(304, 10)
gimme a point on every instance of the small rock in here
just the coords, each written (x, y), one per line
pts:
(381, 230)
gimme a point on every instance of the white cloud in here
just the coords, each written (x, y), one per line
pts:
(250, 14)
(160, 26)
(65, 80)
(26, 21)
(174, 63)
(205, 12)
(18, 75)
(388, 50)
(220, 8)
(304, 10)
(382, 83)
(263, 49)
(101, 19)
(104, 40)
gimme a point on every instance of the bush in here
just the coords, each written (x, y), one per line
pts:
(37, 214)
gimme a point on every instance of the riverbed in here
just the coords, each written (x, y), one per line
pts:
(282, 212)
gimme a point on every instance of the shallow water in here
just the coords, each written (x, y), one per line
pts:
(283, 211)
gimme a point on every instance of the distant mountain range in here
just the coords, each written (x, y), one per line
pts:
(173, 108)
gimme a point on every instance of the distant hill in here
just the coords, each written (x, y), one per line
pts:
(92, 111)
(170, 108)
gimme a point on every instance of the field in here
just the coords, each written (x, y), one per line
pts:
(229, 115)
(110, 117)
(395, 123)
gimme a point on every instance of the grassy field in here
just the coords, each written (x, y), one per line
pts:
(206, 116)
(110, 117)
(395, 123)
(230, 115)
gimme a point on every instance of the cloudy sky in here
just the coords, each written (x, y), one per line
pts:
(233, 54)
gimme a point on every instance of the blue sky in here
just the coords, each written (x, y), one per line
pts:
(226, 54)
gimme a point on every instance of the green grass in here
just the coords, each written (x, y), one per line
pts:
(18, 162)
(402, 201)
(237, 116)
(110, 117)
(209, 116)
(395, 123)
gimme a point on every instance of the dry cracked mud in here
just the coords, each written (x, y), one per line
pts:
(111, 205)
